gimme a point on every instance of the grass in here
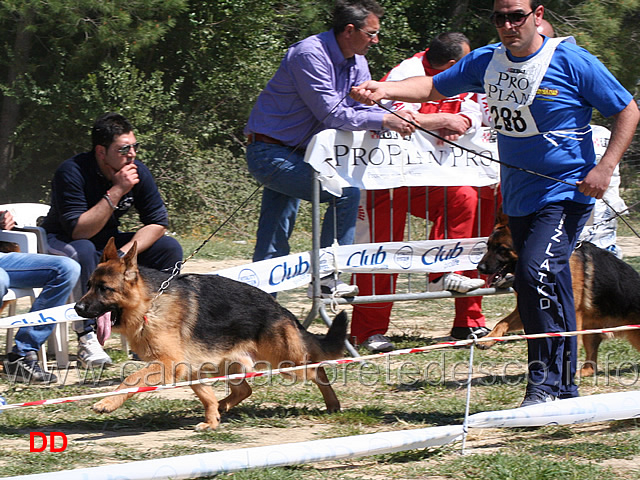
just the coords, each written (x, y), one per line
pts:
(406, 392)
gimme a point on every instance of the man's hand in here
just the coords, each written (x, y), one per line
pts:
(125, 178)
(453, 125)
(392, 122)
(7, 221)
(369, 93)
(596, 182)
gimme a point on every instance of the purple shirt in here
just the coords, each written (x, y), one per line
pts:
(309, 93)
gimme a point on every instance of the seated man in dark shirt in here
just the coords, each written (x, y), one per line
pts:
(90, 192)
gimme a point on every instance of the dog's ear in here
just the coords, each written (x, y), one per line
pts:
(501, 217)
(131, 263)
(110, 251)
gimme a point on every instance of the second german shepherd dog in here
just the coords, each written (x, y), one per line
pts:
(203, 321)
(606, 291)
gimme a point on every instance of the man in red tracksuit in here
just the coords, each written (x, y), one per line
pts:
(453, 210)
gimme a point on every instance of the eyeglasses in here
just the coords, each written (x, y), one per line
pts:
(515, 19)
(371, 35)
(124, 150)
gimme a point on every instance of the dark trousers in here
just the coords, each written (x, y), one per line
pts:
(544, 242)
(162, 255)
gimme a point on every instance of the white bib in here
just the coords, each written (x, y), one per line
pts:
(512, 86)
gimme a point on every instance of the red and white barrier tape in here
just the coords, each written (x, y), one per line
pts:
(342, 361)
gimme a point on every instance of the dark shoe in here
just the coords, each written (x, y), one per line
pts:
(565, 395)
(26, 369)
(533, 397)
(465, 333)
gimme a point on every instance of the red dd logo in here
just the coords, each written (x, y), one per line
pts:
(43, 442)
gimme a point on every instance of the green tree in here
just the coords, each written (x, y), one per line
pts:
(187, 74)
(49, 47)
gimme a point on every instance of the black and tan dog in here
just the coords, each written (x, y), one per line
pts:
(203, 320)
(606, 291)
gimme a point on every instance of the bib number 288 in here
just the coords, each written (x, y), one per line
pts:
(506, 119)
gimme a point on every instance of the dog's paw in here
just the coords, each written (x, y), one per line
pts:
(587, 371)
(104, 406)
(333, 409)
(486, 345)
(205, 427)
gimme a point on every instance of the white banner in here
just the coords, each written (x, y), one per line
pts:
(61, 314)
(371, 160)
(593, 408)
(270, 456)
(425, 256)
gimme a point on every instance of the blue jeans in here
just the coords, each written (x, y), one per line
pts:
(55, 275)
(162, 255)
(287, 178)
(544, 242)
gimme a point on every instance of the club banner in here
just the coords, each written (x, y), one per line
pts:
(425, 256)
(61, 314)
(377, 160)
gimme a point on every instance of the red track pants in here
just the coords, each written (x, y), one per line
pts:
(387, 211)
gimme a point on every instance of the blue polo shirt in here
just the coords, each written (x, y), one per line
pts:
(575, 83)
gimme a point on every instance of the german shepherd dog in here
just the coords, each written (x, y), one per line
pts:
(606, 291)
(203, 321)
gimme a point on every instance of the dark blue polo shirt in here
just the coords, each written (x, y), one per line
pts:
(78, 185)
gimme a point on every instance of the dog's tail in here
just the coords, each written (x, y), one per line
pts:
(332, 344)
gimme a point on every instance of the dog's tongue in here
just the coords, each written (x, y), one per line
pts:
(103, 323)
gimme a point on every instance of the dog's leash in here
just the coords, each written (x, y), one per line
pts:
(505, 164)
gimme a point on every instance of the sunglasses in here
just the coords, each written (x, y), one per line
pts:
(371, 35)
(124, 150)
(515, 19)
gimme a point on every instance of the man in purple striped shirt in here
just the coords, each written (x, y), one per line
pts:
(308, 94)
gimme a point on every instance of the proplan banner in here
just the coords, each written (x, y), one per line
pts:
(372, 160)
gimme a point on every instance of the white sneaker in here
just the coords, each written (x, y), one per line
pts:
(90, 353)
(378, 343)
(457, 283)
(334, 287)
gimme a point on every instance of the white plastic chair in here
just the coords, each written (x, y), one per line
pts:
(32, 239)
(27, 242)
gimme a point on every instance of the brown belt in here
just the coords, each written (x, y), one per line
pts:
(259, 137)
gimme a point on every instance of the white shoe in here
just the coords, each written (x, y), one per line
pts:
(378, 343)
(90, 353)
(331, 287)
(458, 283)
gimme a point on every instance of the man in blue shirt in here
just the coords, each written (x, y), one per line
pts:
(541, 93)
(89, 194)
(308, 94)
